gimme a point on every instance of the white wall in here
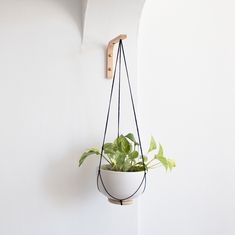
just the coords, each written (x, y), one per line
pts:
(186, 93)
(53, 101)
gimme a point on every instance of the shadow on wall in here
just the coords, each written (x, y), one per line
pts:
(66, 183)
(75, 9)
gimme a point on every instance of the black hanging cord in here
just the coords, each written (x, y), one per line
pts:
(119, 91)
(133, 105)
(118, 59)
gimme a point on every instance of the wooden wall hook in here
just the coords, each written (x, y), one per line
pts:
(109, 55)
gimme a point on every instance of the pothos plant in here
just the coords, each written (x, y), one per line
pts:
(123, 154)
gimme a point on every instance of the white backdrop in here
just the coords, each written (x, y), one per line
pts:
(186, 93)
(53, 100)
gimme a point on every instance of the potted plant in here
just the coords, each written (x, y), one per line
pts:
(122, 176)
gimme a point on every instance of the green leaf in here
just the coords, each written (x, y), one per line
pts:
(109, 148)
(137, 167)
(123, 144)
(133, 155)
(117, 144)
(91, 151)
(120, 159)
(171, 163)
(145, 159)
(127, 165)
(166, 162)
(163, 160)
(160, 151)
(152, 145)
(131, 137)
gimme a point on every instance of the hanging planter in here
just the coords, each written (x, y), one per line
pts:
(119, 186)
(123, 166)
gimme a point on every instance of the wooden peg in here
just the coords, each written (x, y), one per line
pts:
(109, 55)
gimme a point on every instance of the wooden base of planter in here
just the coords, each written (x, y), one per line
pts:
(124, 202)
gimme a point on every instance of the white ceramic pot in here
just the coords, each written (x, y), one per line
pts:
(121, 185)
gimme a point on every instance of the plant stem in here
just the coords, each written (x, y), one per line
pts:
(151, 161)
(155, 165)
